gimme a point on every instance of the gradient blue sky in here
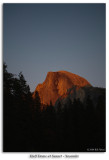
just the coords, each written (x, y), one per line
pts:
(38, 38)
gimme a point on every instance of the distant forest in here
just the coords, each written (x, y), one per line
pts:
(77, 127)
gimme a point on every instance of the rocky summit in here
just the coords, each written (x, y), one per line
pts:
(57, 84)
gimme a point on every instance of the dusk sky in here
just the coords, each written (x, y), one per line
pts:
(38, 38)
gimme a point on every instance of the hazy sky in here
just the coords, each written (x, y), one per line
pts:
(38, 38)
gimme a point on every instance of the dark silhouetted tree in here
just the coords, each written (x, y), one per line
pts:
(17, 101)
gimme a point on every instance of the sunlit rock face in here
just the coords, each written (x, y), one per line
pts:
(57, 84)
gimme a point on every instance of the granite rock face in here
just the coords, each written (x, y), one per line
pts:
(82, 94)
(57, 84)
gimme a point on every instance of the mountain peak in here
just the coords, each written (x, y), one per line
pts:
(56, 84)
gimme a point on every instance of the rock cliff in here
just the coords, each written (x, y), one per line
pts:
(57, 84)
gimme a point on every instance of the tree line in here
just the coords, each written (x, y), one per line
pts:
(76, 127)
